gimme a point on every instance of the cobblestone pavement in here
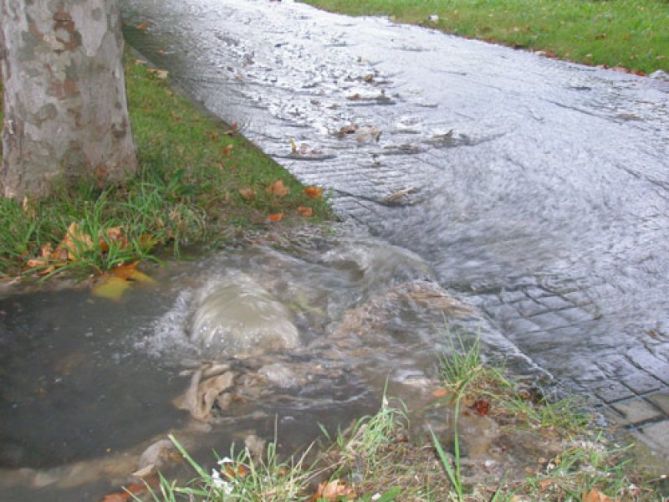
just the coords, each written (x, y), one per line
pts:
(537, 189)
(629, 383)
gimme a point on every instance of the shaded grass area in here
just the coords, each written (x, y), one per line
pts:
(383, 458)
(628, 33)
(187, 192)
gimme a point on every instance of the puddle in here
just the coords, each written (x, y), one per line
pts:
(86, 380)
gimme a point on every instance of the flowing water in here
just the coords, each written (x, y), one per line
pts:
(88, 383)
(536, 192)
(537, 189)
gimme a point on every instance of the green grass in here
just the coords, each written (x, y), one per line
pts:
(187, 192)
(628, 33)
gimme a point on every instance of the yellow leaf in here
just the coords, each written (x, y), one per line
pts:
(111, 288)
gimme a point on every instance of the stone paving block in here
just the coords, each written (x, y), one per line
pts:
(642, 383)
(612, 391)
(555, 303)
(656, 435)
(647, 361)
(616, 365)
(549, 320)
(661, 400)
(527, 307)
(576, 315)
(518, 326)
(512, 296)
(636, 411)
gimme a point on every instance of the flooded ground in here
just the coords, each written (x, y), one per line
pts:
(536, 189)
(88, 383)
(518, 197)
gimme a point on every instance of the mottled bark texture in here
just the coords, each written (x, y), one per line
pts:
(65, 106)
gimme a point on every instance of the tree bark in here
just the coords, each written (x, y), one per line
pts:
(65, 105)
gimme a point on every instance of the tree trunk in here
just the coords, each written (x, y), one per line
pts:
(65, 106)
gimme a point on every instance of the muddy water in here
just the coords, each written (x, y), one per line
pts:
(87, 384)
(537, 189)
(532, 189)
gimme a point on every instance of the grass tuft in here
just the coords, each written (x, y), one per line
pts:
(186, 193)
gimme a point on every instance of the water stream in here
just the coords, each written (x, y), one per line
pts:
(510, 196)
(536, 189)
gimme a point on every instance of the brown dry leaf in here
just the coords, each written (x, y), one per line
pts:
(278, 188)
(46, 250)
(158, 73)
(545, 484)
(305, 211)
(440, 392)
(36, 263)
(596, 496)
(228, 150)
(275, 217)
(75, 242)
(142, 26)
(481, 407)
(313, 192)
(129, 272)
(235, 471)
(114, 234)
(332, 491)
(247, 193)
(147, 241)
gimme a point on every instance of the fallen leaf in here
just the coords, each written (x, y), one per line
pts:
(131, 491)
(247, 193)
(147, 241)
(158, 73)
(234, 128)
(228, 150)
(481, 407)
(313, 192)
(145, 471)
(440, 392)
(142, 26)
(76, 242)
(332, 491)
(596, 496)
(129, 272)
(278, 188)
(305, 211)
(114, 235)
(36, 263)
(111, 287)
(235, 471)
(545, 484)
(275, 217)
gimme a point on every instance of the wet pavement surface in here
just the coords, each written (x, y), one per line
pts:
(538, 190)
